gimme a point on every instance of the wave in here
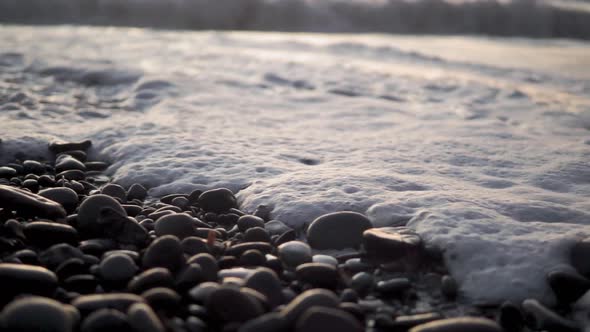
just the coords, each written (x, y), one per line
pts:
(531, 18)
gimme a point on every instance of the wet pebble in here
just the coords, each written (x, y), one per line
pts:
(242, 308)
(266, 282)
(319, 275)
(349, 225)
(44, 234)
(392, 242)
(217, 200)
(67, 197)
(166, 252)
(115, 191)
(294, 253)
(321, 319)
(177, 224)
(37, 314)
(141, 317)
(105, 320)
(28, 279)
(117, 269)
(27, 204)
(89, 213)
(471, 324)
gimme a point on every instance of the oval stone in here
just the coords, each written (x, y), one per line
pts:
(338, 230)
(38, 314)
(471, 324)
(217, 200)
(177, 224)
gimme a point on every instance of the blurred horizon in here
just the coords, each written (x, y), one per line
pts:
(520, 18)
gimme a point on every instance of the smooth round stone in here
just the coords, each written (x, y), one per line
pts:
(119, 301)
(21, 278)
(136, 191)
(162, 299)
(217, 200)
(45, 234)
(510, 317)
(78, 154)
(67, 197)
(57, 147)
(70, 267)
(72, 174)
(266, 281)
(27, 204)
(46, 181)
(177, 224)
(362, 283)
(53, 256)
(325, 259)
(122, 229)
(318, 275)
(98, 166)
(256, 234)
(471, 324)
(81, 283)
(32, 166)
(392, 242)
(338, 230)
(239, 249)
(141, 317)
(231, 305)
(181, 202)
(449, 287)
(208, 265)
(540, 318)
(104, 320)
(393, 286)
(132, 210)
(252, 257)
(193, 245)
(310, 298)
(31, 184)
(567, 285)
(165, 252)
(294, 253)
(201, 293)
(90, 212)
(270, 322)
(114, 190)
(286, 237)
(155, 277)
(249, 221)
(117, 268)
(37, 314)
(276, 227)
(321, 319)
(189, 277)
(66, 162)
(7, 172)
(349, 295)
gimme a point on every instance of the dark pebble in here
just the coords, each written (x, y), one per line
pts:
(266, 282)
(117, 269)
(177, 224)
(81, 283)
(471, 324)
(449, 287)
(304, 301)
(131, 210)
(89, 213)
(193, 245)
(270, 322)
(392, 242)
(200, 294)
(319, 275)
(27, 204)
(539, 317)
(142, 318)
(21, 278)
(189, 277)
(67, 197)
(115, 191)
(362, 283)
(71, 267)
(44, 234)
(34, 167)
(165, 252)
(349, 227)
(252, 258)
(37, 314)
(66, 162)
(53, 256)
(567, 285)
(208, 265)
(155, 277)
(123, 229)
(249, 221)
(70, 146)
(96, 166)
(294, 253)
(256, 234)
(119, 301)
(238, 249)
(321, 319)
(31, 184)
(162, 299)
(136, 191)
(105, 320)
(78, 154)
(7, 172)
(217, 200)
(276, 227)
(73, 174)
(242, 308)
(510, 317)
(288, 236)
(393, 286)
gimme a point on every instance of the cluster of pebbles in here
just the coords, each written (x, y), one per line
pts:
(78, 253)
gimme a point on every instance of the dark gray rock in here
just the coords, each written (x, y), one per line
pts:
(242, 308)
(136, 191)
(392, 242)
(304, 301)
(90, 212)
(249, 221)
(193, 245)
(338, 230)
(200, 294)
(117, 269)
(33, 167)
(162, 299)
(239, 249)
(29, 279)
(66, 162)
(58, 253)
(208, 265)
(276, 227)
(177, 224)
(72, 174)
(151, 278)
(257, 234)
(104, 320)
(270, 322)
(119, 301)
(294, 253)
(164, 252)
(56, 147)
(449, 287)
(510, 317)
(321, 319)
(44, 234)
(142, 318)
(114, 190)
(67, 197)
(393, 286)
(217, 200)
(319, 275)
(27, 204)
(123, 229)
(541, 318)
(471, 324)
(362, 283)
(37, 314)
(266, 281)
(7, 172)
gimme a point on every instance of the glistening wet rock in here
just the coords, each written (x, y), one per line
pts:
(392, 242)
(217, 200)
(348, 225)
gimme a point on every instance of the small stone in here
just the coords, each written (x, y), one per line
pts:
(7, 172)
(177, 224)
(193, 245)
(142, 318)
(510, 317)
(123, 229)
(21, 278)
(162, 299)
(165, 252)
(200, 294)
(181, 202)
(276, 227)
(78, 154)
(319, 275)
(539, 318)
(208, 265)
(105, 320)
(449, 287)
(362, 283)
(567, 285)
(239, 249)
(58, 253)
(89, 213)
(270, 322)
(314, 297)
(97, 166)
(64, 147)
(263, 211)
(44, 234)
(81, 284)
(471, 324)
(248, 221)
(321, 319)
(66, 162)
(136, 191)
(392, 242)
(325, 259)
(70, 267)
(114, 190)
(217, 200)
(151, 278)
(72, 174)
(131, 210)
(34, 167)
(256, 234)
(189, 277)
(286, 237)
(37, 314)
(117, 269)
(338, 230)
(242, 308)
(252, 257)
(31, 184)
(349, 295)
(119, 301)
(266, 282)
(295, 253)
(393, 286)
(27, 204)
(67, 197)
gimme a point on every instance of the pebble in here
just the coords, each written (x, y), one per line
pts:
(348, 225)
(142, 318)
(64, 147)
(27, 204)
(510, 317)
(449, 287)
(409, 321)
(242, 308)
(151, 278)
(96, 166)
(471, 324)
(44, 234)
(217, 200)
(117, 269)
(200, 294)
(294, 253)
(105, 320)
(123, 229)
(319, 275)
(321, 319)
(70, 267)
(193, 245)
(579, 256)
(89, 213)
(266, 281)
(177, 224)
(325, 259)
(313, 297)
(276, 227)
(136, 191)
(256, 234)
(164, 252)
(239, 249)
(23, 278)
(78, 154)
(72, 174)
(114, 190)
(66, 162)
(208, 265)
(34, 167)
(119, 301)
(362, 283)
(67, 197)
(81, 283)
(392, 242)
(249, 221)
(567, 285)
(393, 286)
(58, 253)
(162, 299)
(189, 277)
(286, 237)
(270, 322)
(37, 314)
(252, 258)
(31, 184)
(539, 317)
(7, 172)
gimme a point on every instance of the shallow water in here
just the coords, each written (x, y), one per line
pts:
(482, 145)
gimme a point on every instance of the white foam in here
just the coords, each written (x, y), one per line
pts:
(486, 158)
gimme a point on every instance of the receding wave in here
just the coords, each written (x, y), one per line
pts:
(531, 18)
